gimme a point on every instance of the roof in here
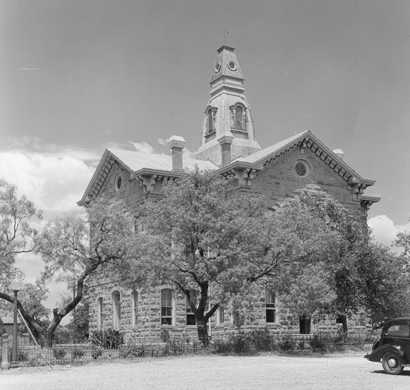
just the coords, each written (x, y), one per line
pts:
(142, 162)
(259, 158)
(227, 64)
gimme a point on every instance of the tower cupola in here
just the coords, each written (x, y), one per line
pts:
(228, 113)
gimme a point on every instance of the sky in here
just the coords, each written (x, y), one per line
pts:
(78, 76)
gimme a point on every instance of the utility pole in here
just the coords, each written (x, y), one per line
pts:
(14, 349)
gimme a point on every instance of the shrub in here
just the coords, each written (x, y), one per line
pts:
(164, 336)
(287, 344)
(262, 340)
(96, 352)
(78, 354)
(22, 356)
(240, 343)
(132, 350)
(109, 338)
(318, 344)
(222, 346)
(59, 353)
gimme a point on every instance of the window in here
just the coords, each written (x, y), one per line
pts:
(166, 306)
(116, 310)
(398, 330)
(190, 316)
(270, 306)
(304, 324)
(99, 313)
(210, 120)
(238, 117)
(118, 183)
(139, 226)
(301, 168)
(220, 316)
(134, 307)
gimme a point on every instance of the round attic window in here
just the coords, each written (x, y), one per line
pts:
(232, 65)
(301, 168)
(118, 183)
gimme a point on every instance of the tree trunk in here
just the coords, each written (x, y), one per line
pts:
(202, 326)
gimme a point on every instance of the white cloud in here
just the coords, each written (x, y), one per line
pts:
(53, 181)
(384, 230)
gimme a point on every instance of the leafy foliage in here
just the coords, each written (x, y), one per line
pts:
(109, 338)
(385, 284)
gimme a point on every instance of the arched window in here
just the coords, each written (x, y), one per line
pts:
(99, 313)
(134, 307)
(190, 316)
(210, 121)
(238, 116)
(116, 310)
(167, 306)
(270, 306)
(220, 316)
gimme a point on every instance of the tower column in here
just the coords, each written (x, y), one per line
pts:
(226, 149)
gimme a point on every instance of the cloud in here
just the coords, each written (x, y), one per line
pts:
(53, 181)
(384, 230)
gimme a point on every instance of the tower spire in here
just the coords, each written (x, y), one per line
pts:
(227, 114)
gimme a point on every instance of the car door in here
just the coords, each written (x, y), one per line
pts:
(397, 333)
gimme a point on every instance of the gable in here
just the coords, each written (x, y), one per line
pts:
(279, 178)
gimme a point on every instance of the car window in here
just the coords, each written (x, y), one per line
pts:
(398, 330)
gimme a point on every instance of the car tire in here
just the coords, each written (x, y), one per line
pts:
(391, 363)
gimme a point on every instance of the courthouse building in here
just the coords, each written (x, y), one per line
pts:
(229, 147)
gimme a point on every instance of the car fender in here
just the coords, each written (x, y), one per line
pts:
(377, 354)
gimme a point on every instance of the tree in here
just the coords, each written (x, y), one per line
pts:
(329, 279)
(385, 283)
(204, 235)
(17, 231)
(69, 251)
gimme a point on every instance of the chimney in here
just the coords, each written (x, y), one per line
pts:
(176, 144)
(226, 142)
(339, 153)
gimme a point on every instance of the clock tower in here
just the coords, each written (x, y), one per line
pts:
(228, 123)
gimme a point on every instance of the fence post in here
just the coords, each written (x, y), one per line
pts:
(5, 363)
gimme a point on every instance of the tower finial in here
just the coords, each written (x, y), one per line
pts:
(226, 36)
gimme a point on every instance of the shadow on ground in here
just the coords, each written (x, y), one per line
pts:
(404, 373)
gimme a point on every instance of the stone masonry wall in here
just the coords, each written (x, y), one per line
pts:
(276, 181)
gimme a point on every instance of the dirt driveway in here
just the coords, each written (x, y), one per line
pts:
(213, 373)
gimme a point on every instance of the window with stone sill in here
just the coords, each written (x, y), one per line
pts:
(211, 121)
(167, 306)
(134, 307)
(270, 306)
(220, 316)
(100, 313)
(190, 316)
(238, 117)
(116, 310)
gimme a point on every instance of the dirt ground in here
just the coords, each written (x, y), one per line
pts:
(265, 372)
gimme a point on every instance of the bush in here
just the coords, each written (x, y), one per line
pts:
(59, 353)
(222, 346)
(109, 338)
(22, 356)
(287, 344)
(96, 352)
(262, 340)
(78, 354)
(164, 336)
(240, 343)
(132, 351)
(318, 344)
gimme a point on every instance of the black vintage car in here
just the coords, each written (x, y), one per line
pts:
(393, 347)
